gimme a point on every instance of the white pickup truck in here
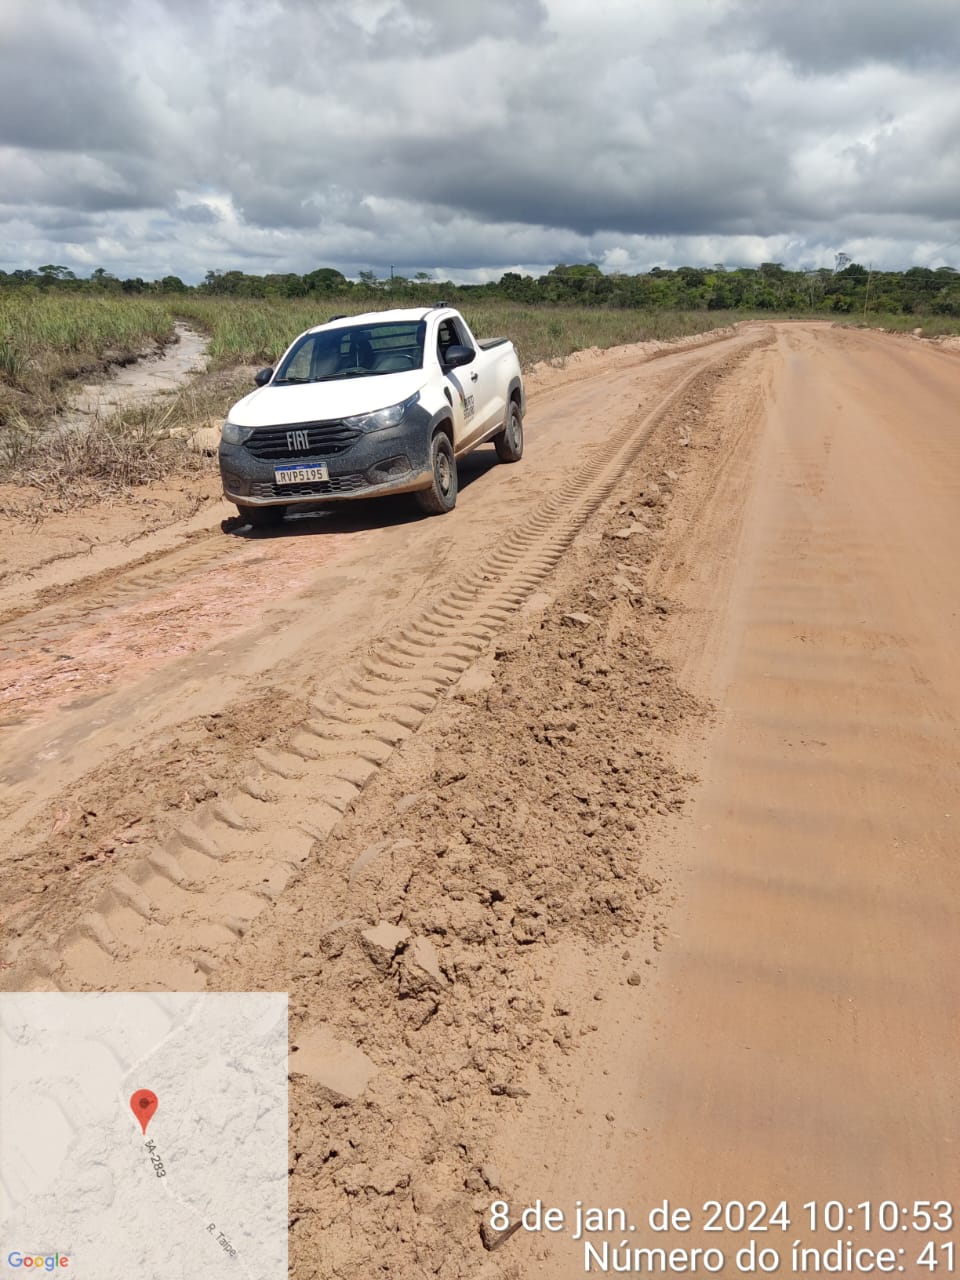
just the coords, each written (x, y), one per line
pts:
(371, 404)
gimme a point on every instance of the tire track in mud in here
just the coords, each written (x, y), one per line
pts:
(174, 913)
(66, 606)
(138, 626)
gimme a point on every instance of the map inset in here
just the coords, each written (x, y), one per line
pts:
(143, 1135)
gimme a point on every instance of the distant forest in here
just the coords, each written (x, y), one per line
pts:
(851, 289)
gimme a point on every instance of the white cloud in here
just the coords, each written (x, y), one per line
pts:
(286, 135)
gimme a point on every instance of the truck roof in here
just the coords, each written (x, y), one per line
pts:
(385, 317)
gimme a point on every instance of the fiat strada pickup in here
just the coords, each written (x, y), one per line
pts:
(371, 404)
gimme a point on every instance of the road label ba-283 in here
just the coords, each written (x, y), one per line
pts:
(151, 1149)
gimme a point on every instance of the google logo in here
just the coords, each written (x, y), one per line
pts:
(43, 1262)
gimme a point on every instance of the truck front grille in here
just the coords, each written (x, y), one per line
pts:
(298, 440)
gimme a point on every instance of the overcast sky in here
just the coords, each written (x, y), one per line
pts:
(470, 137)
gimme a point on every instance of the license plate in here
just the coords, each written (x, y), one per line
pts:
(300, 475)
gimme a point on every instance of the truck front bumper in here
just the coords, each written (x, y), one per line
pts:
(393, 460)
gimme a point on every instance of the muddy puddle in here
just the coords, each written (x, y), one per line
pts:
(137, 384)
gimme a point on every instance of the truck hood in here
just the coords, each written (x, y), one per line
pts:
(324, 401)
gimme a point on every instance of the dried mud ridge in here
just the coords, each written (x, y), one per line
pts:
(139, 378)
(218, 871)
(531, 829)
(121, 377)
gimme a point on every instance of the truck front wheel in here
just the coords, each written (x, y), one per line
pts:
(509, 443)
(442, 494)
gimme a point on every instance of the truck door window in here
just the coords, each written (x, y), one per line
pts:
(446, 337)
(461, 333)
(450, 334)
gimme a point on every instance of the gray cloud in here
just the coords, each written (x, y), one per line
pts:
(50, 97)
(178, 135)
(201, 213)
(823, 36)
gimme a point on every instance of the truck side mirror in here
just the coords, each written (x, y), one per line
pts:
(263, 377)
(456, 356)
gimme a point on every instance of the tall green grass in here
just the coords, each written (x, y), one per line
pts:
(249, 331)
(38, 328)
(45, 337)
(48, 338)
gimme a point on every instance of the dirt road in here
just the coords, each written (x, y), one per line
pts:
(799, 1041)
(603, 833)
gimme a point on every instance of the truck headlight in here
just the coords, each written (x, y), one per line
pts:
(233, 434)
(383, 418)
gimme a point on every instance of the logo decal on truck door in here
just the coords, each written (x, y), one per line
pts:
(298, 440)
(466, 404)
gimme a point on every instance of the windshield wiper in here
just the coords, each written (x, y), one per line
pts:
(286, 382)
(355, 372)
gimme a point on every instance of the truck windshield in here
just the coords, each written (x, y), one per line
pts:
(356, 351)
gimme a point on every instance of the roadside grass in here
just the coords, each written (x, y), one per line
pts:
(48, 338)
(551, 334)
(253, 330)
(929, 326)
(60, 469)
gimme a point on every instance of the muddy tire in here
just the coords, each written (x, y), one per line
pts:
(262, 517)
(441, 497)
(509, 443)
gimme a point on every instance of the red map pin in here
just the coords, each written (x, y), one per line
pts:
(143, 1104)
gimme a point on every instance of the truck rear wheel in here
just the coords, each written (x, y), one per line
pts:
(509, 443)
(441, 497)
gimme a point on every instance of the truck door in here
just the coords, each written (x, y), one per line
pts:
(467, 384)
(459, 384)
(487, 380)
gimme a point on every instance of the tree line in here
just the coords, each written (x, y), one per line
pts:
(770, 287)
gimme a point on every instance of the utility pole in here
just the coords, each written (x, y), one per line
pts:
(866, 296)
